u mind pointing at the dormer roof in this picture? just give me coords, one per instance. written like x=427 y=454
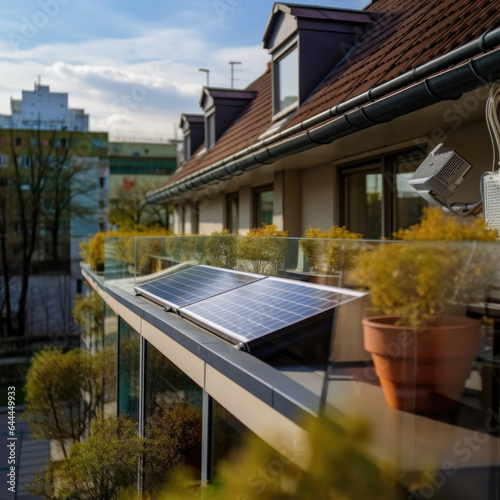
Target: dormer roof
x=416 y=54
x=211 y=96
x=286 y=19
x=187 y=120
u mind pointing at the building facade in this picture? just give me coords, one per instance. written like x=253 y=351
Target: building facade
x=349 y=106
x=45 y=110
x=135 y=169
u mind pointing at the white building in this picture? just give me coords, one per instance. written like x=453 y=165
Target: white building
x=44 y=110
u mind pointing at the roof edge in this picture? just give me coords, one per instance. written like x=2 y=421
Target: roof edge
x=309 y=133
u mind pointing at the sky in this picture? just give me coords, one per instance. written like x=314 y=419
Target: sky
x=134 y=65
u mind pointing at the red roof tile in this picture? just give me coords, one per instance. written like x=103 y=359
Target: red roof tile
x=408 y=34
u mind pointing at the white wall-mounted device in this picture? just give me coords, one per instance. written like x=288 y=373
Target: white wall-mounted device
x=491 y=199
x=439 y=175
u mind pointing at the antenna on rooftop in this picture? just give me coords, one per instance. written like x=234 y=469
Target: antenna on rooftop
x=232 y=63
x=207 y=71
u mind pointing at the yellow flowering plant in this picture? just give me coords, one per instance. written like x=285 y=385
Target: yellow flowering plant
x=326 y=257
x=421 y=280
x=262 y=250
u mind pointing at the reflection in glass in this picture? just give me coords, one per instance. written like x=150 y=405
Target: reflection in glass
x=364 y=203
x=233 y=213
x=409 y=204
x=173 y=421
x=109 y=351
x=227 y=437
x=128 y=371
x=264 y=205
x=288 y=79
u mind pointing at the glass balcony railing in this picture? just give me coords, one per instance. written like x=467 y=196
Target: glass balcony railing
x=417 y=356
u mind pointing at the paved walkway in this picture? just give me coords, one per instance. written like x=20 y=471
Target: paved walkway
x=30 y=456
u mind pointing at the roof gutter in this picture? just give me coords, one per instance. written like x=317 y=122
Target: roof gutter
x=405 y=94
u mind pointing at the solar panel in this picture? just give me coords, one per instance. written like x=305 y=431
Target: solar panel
x=266 y=309
x=192 y=285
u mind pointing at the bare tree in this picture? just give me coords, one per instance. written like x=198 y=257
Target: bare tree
x=38 y=188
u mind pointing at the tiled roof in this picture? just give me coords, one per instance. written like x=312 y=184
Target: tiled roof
x=408 y=34
x=256 y=118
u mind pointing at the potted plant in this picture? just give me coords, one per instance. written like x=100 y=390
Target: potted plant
x=421 y=342
x=325 y=255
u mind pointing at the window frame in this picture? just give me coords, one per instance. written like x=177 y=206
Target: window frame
x=256 y=193
x=277 y=58
x=210 y=134
x=187 y=145
x=230 y=198
x=386 y=165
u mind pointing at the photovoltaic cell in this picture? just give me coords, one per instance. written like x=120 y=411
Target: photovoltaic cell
x=268 y=306
x=192 y=285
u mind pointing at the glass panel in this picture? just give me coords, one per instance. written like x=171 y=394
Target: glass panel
x=264 y=208
x=230 y=439
x=364 y=203
x=409 y=204
x=288 y=76
x=128 y=371
x=210 y=132
x=187 y=147
x=173 y=420
x=110 y=353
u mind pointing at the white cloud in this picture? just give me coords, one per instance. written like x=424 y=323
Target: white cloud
x=137 y=83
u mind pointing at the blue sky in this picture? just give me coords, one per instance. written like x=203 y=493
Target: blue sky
x=133 y=66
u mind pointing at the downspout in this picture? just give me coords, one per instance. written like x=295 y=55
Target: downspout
x=378 y=105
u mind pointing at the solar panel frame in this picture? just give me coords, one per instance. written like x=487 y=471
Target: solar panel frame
x=229 y=301
x=182 y=294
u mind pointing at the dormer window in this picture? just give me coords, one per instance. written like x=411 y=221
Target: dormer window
x=210 y=136
x=286 y=81
x=193 y=131
x=221 y=107
x=305 y=43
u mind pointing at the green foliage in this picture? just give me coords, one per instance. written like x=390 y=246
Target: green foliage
x=436 y=226
x=340 y=467
x=422 y=281
x=262 y=250
x=324 y=256
x=124 y=248
x=173 y=443
x=87 y=312
x=97 y=468
x=220 y=249
x=129 y=210
x=63 y=393
x=95 y=252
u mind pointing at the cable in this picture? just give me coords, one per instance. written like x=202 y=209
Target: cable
x=493 y=122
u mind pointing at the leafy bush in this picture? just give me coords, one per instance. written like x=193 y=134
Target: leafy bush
x=262 y=250
x=324 y=257
x=422 y=281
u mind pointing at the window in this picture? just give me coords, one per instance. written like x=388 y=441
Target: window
x=375 y=197
x=128 y=371
x=187 y=147
x=233 y=212
x=263 y=203
x=210 y=131
x=3 y=161
x=286 y=82
x=25 y=161
x=110 y=347
x=173 y=408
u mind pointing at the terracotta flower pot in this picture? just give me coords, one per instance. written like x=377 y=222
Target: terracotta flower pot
x=422 y=369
